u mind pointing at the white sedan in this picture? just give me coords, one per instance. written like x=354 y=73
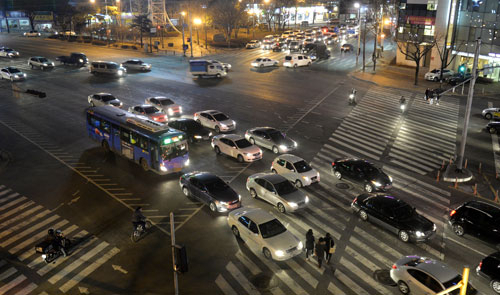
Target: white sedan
x=264 y=62
x=237 y=147
x=136 y=65
x=149 y=111
x=165 y=105
x=104 y=99
x=295 y=169
x=435 y=75
x=215 y=120
x=7 y=52
x=13 y=74
x=32 y=34
x=264 y=233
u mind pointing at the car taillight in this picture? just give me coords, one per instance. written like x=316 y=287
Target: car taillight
x=333 y=164
x=452 y=212
x=355 y=200
x=155 y=118
x=394 y=266
x=480 y=264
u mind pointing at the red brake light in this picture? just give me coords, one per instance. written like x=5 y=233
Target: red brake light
x=333 y=164
x=394 y=266
x=480 y=264
x=355 y=200
x=452 y=212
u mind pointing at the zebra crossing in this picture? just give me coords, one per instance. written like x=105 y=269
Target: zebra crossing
x=12 y=281
x=23 y=224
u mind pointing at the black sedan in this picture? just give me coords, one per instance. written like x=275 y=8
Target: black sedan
x=394 y=215
x=493 y=127
x=362 y=172
x=458 y=78
x=211 y=190
x=194 y=130
x=489 y=269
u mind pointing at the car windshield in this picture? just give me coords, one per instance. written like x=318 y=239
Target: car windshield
x=193 y=125
x=403 y=212
x=242 y=143
x=277 y=136
x=173 y=150
x=13 y=71
x=271 y=228
x=221 y=117
x=43 y=59
x=107 y=97
x=284 y=187
x=8 y=49
x=454 y=282
x=370 y=170
x=216 y=185
x=258 y=59
x=112 y=66
x=166 y=101
x=434 y=71
x=151 y=110
x=302 y=166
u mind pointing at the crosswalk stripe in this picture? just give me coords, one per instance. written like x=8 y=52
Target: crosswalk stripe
x=336 y=213
x=224 y=286
x=412 y=192
x=361 y=259
x=254 y=269
x=10 y=204
x=431 y=250
x=323 y=226
x=26 y=290
x=407 y=178
x=242 y=280
x=375 y=241
x=366 y=142
x=375 y=137
x=11 y=196
x=402 y=150
x=68 y=269
x=285 y=278
x=23 y=223
x=370 y=155
x=432 y=142
x=349 y=283
x=339 y=152
x=31 y=240
x=16 y=209
x=277 y=291
x=367 y=278
x=334 y=289
x=28 y=231
x=2 y=263
x=303 y=273
x=419 y=171
x=346 y=198
x=92 y=267
x=10 y=271
x=5 y=288
x=412 y=161
x=367 y=129
x=370 y=251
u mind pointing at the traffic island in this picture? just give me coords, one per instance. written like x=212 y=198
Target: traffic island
x=453 y=174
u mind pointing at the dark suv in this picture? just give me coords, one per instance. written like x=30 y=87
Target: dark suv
x=362 y=172
x=489 y=268
x=479 y=218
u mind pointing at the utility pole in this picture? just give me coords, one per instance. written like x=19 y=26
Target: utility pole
x=364 y=45
x=172 y=244
x=468 y=107
x=183 y=39
x=374 y=55
x=358 y=50
x=190 y=32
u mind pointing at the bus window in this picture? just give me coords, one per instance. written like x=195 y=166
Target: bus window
x=95 y=122
x=143 y=143
x=105 y=127
x=134 y=139
x=125 y=135
x=173 y=150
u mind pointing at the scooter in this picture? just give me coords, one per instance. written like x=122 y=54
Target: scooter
x=352 y=97
x=140 y=231
x=51 y=253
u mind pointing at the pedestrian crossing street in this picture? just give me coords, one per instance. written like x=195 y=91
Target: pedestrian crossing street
x=23 y=224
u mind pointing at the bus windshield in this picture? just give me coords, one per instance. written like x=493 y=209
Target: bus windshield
x=173 y=150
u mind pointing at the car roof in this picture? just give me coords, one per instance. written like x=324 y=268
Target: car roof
x=133 y=59
x=290 y=158
x=436 y=268
x=143 y=105
x=159 y=97
x=38 y=57
x=356 y=160
x=102 y=93
x=265 y=129
x=257 y=215
x=386 y=200
x=271 y=177
x=495 y=255
x=204 y=176
x=230 y=136
x=11 y=68
x=78 y=53
x=105 y=62
x=486 y=207
x=211 y=112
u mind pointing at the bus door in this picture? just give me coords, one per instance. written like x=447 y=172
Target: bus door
x=126 y=148
x=153 y=149
x=115 y=143
x=141 y=150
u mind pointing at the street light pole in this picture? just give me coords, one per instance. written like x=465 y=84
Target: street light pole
x=358 y=51
x=190 y=32
x=183 y=41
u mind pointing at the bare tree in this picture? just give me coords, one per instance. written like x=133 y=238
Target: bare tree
x=30 y=8
x=142 y=23
x=415 y=48
x=227 y=15
x=445 y=53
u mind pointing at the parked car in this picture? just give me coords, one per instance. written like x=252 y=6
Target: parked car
x=103 y=99
x=149 y=111
x=270 y=138
x=165 y=105
x=136 y=65
x=477 y=218
x=457 y=78
x=236 y=146
x=346 y=47
x=361 y=172
x=421 y=275
x=7 y=52
x=40 y=62
x=489 y=270
x=253 y=44
x=394 y=215
x=435 y=75
x=12 y=74
x=493 y=127
x=262 y=231
x=489 y=113
x=296 y=60
x=215 y=120
x=278 y=191
x=209 y=189
x=295 y=169
x=107 y=68
x=264 y=62
x=32 y=34
x=194 y=130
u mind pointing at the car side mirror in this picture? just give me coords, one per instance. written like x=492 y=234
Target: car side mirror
x=234 y=147
x=274 y=192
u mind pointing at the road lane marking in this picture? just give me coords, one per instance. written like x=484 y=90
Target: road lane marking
x=224 y=286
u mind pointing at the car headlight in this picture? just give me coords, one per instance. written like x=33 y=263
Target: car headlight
x=187 y=162
x=24 y=75
x=305 y=178
x=434 y=227
x=295 y=144
x=223 y=125
x=293 y=204
x=163 y=168
x=120 y=72
x=254 y=64
x=307 y=199
x=224 y=203
x=234 y=124
x=248 y=154
x=419 y=234
x=197 y=136
x=390 y=178
x=80 y=60
x=16 y=76
x=283 y=148
x=180 y=109
x=210 y=134
x=279 y=253
x=45 y=65
x=44 y=256
x=239 y=197
x=376 y=183
x=170 y=111
x=52 y=64
x=300 y=245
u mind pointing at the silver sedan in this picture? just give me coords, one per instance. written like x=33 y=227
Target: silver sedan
x=13 y=74
x=270 y=138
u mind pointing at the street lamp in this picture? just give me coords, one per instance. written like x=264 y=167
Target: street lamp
x=197 y=21
x=358 y=6
x=183 y=14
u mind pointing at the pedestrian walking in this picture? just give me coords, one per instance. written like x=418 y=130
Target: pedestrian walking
x=329 y=247
x=427 y=94
x=309 y=243
x=320 y=251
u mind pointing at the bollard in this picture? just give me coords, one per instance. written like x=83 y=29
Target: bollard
x=480 y=164
x=456 y=182
x=465 y=166
x=437 y=178
x=475 y=189
x=442 y=165
x=496 y=196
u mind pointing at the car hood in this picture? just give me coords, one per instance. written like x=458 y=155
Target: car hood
x=198 y=131
x=490 y=110
x=310 y=173
x=382 y=178
x=417 y=222
x=296 y=197
x=286 y=141
x=251 y=149
x=226 y=122
x=227 y=195
x=283 y=241
x=114 y=102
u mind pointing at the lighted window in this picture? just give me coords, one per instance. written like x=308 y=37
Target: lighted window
x=429 y=31
x=402 y=6
x=401 y=30
x=432 y=5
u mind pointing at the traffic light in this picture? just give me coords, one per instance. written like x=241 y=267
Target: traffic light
x=181 y=258
x=158 y=27
x=461 y=69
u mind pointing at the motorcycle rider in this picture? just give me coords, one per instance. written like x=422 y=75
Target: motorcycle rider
x=352 y=96
x=138 y=218
x=61 y=241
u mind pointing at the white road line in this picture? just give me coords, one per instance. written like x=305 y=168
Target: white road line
x=340 y=152
x=224 y=286
x=10 y=271
x=366 y=278
x=5 y=288
x=29 y=231
x=413 y=193
x=254 y=269
x=32 y=240
x=303 y=273
x=464 y=245
x=322 y=225
x=10 y=204
x=242 y=280
x=366 y=262
x=375 y=241
x=334 y=213
x=11 y=196
x=24 y=222
x=407 y=178
x=349 y=283
x=26 y=290
x=335 y=290
x=74 y=265
x=84 y=273
x=431 y=250
x=370 y=251
x=17 y=209
x=411 y=168
x=372 y=156
x=285 y=278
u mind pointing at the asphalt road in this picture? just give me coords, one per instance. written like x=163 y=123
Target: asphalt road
x=90 y=195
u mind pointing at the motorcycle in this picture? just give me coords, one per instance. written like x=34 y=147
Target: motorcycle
x=402 y=107
x=51 y=251
x=352 y=97
x=140 y=231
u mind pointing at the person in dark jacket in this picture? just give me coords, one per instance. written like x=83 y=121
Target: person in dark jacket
x=138 y=218
x=320 y=251
x=329 y=245
x=427 y=94
x=309 y=243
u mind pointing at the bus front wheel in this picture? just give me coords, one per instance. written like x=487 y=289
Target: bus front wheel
x=144 y=164
x=105 y=146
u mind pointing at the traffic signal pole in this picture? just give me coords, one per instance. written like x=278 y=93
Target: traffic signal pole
x=172 y=243
x=462 y=285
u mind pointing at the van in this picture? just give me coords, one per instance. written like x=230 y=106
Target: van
x=296 y=60
x=107 y=67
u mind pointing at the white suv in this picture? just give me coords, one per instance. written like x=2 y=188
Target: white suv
x=295 y=169
x=107 y=67
x=215 y=120
x=435 y=75
x=296 y=60
x=40 y=62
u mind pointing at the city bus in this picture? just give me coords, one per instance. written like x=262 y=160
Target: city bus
x=153 y=145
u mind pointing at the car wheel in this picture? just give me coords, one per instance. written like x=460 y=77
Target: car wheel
x=240 y=159
x=458 y=229
x=298 y=183
x=275 y=64
x=403 y=287
x=185 y=191
x=198 y=121
x=488 y=116
x=295 y=65
x=309 y=64
x=363 y=215
x=275 y=150
x=217 y=150
x=144 y=164
x=32 y=66
x=253 y=193
x=404 y=236
x=261 y=65
x=212 y=207
x=12 y=79
x=495 y=285
x=92 y=104
x=368 y=188
x=274 y=171
x=492 y=130
x=251 y=140
x=281 y=208
x=235 y=231
x=267 y=253
x=217 y=129
x=436 y=79
x=337 y=174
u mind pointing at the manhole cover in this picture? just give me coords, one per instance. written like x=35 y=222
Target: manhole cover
x=264 y=281
x=342 y=185
x=383 y=276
